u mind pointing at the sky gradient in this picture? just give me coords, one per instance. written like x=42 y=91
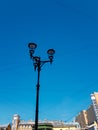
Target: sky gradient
x=71 y=28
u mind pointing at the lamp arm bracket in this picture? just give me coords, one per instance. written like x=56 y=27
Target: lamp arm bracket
x=43 y=62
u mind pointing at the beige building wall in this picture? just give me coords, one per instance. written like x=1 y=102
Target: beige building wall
x=30 y=127
x=96 y=96
x=82 y=119
x=65 y=128
x=25 y=127
x=91 y=115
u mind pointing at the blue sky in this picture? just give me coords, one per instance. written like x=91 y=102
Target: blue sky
x=68 y=26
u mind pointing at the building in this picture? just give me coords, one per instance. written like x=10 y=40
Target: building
x=81 y=118
x=15 y=121
x=57 y=125
x=5 y=127
x=94 y=98
x=25 y=125
x=91 y=117
x=18 y=124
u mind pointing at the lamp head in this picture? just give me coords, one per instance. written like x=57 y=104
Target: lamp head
x=32 y=47
x=50 y=53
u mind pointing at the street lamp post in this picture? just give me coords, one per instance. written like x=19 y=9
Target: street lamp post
x=38 y=63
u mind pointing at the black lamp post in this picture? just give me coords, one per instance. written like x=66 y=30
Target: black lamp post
x=38 y=63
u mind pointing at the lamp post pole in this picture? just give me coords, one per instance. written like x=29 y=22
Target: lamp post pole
x=37 y=97
x=38 y=63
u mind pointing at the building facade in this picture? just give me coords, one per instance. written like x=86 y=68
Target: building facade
x=89 y=117
x=81 y=118
x=18 y=124
x=94 y=98
x=5 y=127
x=66 y=126
x=15 y=121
